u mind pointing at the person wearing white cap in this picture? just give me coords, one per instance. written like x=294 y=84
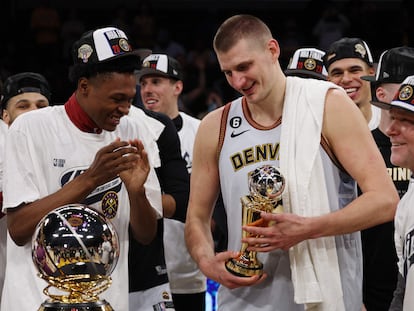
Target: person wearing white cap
x=401 y=133
x=85 y=151
x=378 y=245
x=160 y=79
x=307 y=63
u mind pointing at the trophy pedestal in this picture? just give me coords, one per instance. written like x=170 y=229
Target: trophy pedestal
x=244 y=266
x=100 y=305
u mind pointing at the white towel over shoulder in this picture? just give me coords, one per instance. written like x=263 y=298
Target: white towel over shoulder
x=314 y=263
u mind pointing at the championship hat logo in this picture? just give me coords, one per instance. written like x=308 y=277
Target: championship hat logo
x=310 y=64
x=406 y=93
x=359 y=48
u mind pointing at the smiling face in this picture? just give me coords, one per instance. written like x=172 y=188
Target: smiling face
x=106 y=98
x=160 y=94
x=401 y=133
x=347 y=73
x=22 y=103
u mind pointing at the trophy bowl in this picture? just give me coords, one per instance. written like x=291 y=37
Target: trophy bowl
x=266 y=182
x=266 y=185
x=75 y=250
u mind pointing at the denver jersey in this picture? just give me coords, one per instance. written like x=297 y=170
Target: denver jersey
x=244 y=146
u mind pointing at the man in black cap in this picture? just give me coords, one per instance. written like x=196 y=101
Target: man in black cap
x=378 y=242
x=346 y=61
x=24 y=92
x=85 y=151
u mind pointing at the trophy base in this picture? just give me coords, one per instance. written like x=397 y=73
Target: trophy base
x=243 y=267
x=100 y=305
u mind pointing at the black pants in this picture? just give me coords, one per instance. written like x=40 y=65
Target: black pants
x=193 y=302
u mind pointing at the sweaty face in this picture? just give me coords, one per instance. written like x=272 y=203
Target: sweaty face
x=107 y=98
x=401 y=133
x=347 y=73
x=160 y=94
x=22 y=103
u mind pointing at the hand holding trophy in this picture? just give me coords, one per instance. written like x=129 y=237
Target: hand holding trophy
x=266 y=185
x=70 y=252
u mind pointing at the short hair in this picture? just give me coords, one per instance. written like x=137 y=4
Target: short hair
x=127 y=64
x=238 y=27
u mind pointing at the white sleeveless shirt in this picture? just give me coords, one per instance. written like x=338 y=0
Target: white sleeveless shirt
x=245 y=146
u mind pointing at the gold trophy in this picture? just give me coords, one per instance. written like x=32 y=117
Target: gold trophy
x=75 y=249
x=266 y=185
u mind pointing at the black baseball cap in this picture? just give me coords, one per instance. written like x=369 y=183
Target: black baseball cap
x=103 y=45
x=161 y=64
x=394 y=66
x=348 y=48
x=25 y=82
x=404 y=97
x=307 y=63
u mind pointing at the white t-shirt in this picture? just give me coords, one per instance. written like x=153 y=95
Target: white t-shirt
x=45 y=150
x=183 y=272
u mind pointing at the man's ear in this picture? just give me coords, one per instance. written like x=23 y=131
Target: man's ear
x=6 y=117
x=83 y=85
x=274 y=48
x=178 y=87
x=371 y=71
x=380 y=94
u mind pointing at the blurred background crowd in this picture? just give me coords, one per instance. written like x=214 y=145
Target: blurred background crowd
x=37 y=35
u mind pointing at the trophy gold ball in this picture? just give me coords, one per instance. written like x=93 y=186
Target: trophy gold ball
x=266 y=185
x=75 y=249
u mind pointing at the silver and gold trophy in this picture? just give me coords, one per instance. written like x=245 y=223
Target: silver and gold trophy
x=75 y=249
x=266 y=185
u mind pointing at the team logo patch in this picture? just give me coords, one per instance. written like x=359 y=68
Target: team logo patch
x=84 y=52
x=165 y=295
x=110 y=204
x=359 y=48
x=406 y=93
x=123 y=44
x=310 y=64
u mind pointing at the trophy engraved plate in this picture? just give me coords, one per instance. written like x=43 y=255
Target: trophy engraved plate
x=75 y=249
x=266 y=185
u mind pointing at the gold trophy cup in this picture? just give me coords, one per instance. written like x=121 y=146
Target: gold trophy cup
x=266 y=185
x=75 y=249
